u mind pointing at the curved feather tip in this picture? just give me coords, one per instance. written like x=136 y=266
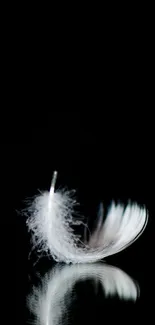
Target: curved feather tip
x=51 y=220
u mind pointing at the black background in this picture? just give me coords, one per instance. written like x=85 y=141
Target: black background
x=80 y=102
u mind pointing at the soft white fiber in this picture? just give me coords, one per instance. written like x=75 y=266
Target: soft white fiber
x=51 y=219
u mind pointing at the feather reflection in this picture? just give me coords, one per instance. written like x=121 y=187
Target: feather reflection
x=49 y=301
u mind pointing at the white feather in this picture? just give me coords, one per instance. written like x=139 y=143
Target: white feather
x=47 y=302
x=51 y=220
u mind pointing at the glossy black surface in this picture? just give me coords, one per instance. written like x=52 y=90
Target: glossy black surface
x=103 y=160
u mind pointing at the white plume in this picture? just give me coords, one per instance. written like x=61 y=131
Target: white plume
x=49 y=301
x=51 y=220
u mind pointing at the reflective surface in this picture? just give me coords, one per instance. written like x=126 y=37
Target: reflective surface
x=101 y=165
x=50 y=300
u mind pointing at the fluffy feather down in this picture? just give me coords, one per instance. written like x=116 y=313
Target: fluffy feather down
x=51 y=221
